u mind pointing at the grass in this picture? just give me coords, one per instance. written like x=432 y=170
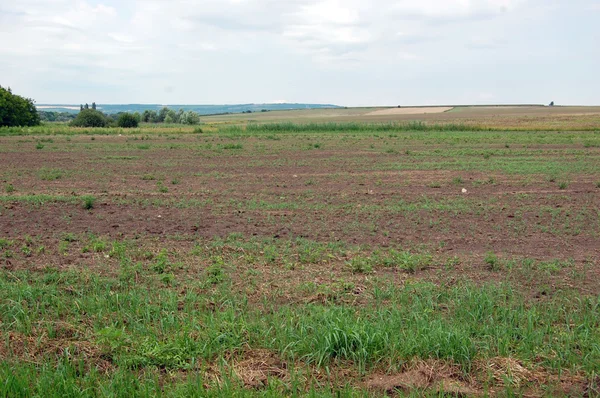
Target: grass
x=460 y=324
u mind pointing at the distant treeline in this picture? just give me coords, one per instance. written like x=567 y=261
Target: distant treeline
x=202 y=110
x=56 y=116
x=165 y=115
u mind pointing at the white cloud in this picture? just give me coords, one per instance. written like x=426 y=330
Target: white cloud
x=240 y=50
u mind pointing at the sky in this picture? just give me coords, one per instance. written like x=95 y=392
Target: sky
x=344 y=52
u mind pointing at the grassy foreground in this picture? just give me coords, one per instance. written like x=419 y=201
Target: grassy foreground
x=182 y=322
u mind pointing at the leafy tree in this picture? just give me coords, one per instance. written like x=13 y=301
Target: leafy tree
x=162 y=114
x=169 y=119
x=149 y=116
x=93 y=105
x=81 y=107
x=87 y=106
x=90 y=118
x=127 y=120
x=16 y=110
x=190 y=117
x=173 y=116
x=138 y=117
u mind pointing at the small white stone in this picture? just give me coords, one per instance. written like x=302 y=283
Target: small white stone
x=295 y=176
x=464 y=190
x=159 y=216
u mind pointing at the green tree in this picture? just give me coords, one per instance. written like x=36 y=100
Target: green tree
x=16 y=110
x=173 y=115
x=153 y=117
x=190 y=117
x=93 y=105
x=127 y=120
x=90 y=118
x=169 y=119
x=162 y=114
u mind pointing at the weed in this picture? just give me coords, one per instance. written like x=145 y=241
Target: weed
x=161 y=263
x=563 y=185
x=63 y=247
x=492 y=260
x=26 y=250
x=215 y=274
x=408 y=261
x=50 y=174
x=148 y=177
x=69 y=237
x=162 y=188
x=361 y=265
x=39 y=146
x=231 y=146
x=88 y=202
x=9 y=188
x=452 y=262
x=457 y=180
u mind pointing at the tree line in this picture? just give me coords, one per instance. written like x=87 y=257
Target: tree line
x=19 y=111
x=91 y=117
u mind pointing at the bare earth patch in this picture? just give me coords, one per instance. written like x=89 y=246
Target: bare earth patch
x=410 y=111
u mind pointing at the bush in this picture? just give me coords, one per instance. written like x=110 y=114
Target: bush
x=190 y=117
x=90 y=118
x=16 y=110
x=127 y=120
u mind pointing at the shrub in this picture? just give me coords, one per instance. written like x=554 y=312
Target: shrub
x=16 y=110
x=127 y=120
x=90 y=118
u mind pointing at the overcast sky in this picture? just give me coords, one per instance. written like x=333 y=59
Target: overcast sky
x=346 y=52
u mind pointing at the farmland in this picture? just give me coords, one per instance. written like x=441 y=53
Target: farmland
x=339 y=252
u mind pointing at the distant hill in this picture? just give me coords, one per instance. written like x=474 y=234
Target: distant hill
x=201 y=109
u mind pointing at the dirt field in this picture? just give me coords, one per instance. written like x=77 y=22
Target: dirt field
x=380 y=262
